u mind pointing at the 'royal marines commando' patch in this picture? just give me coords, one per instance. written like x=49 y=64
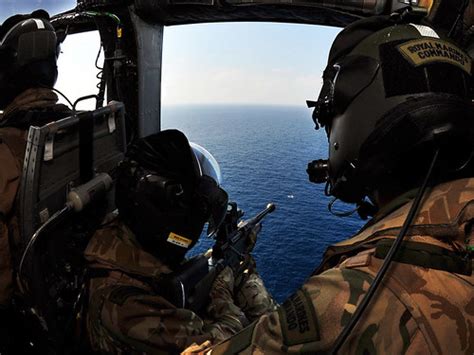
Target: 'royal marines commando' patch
x=298 y=320
x=429 y=50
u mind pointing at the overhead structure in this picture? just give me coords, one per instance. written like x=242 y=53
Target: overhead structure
x=320 y=12
x=132 y=34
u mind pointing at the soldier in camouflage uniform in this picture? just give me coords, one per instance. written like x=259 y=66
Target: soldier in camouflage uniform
x=164 y=199
x=28 y=55
x=393 y=94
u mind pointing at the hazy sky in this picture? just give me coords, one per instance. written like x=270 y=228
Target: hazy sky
x=244 y=62
x=255 y=63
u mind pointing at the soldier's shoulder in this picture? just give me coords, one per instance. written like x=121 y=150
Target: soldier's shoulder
x=106 y=241
x=115 y=247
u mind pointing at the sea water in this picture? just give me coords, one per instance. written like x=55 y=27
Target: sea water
x=263 y=152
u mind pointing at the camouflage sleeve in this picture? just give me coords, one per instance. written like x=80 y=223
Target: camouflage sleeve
x=125 y=319
x=310 y=320
x=253 y=297
x=222 y=308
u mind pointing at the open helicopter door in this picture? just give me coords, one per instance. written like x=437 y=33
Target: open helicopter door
x=61 y=157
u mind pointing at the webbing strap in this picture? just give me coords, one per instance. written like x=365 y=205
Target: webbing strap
x=426 y=255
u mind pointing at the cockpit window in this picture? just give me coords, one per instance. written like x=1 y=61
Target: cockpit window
x=250 y=63
x=79 y=68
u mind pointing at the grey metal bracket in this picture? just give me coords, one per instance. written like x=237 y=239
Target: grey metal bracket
x=149 y=39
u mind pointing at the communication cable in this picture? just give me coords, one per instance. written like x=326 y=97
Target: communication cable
x=78 y=198
x=388 y=259
x=54 y=218
x=102 y=80
x=64 y=96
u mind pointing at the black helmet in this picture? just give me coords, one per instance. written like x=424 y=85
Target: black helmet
x=28 y=53
x=166 y=192
x=392 y=93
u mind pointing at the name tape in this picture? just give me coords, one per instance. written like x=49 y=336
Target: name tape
x=429 y=50
x=178 y=240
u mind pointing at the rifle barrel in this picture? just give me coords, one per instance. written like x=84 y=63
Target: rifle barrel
x=269 y=209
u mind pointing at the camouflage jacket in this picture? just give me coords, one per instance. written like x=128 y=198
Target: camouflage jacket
x=12 y=149
x=126 y=313
x=424 y=305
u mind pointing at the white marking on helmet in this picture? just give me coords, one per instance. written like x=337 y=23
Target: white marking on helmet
x=425 y=31
x=39 y=23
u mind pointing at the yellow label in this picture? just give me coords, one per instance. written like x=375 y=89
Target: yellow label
x=178 y=240
x=431 y=50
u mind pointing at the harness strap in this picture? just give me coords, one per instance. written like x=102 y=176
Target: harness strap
x=426 y=255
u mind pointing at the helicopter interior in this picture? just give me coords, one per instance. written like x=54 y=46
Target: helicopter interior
x=93 y=142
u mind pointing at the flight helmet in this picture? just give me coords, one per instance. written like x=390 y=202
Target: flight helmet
x=392 y=93
x=29 y=49
x=167 y=189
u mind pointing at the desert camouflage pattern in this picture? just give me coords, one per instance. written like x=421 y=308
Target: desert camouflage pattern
x=417 y=310
x=12 y=150
x=126 y=314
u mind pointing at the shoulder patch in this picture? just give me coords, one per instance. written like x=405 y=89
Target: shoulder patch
x=120 y=294
x=298 y=319
x=430 y=50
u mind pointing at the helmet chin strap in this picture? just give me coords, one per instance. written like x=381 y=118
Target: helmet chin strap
x=394 y=248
